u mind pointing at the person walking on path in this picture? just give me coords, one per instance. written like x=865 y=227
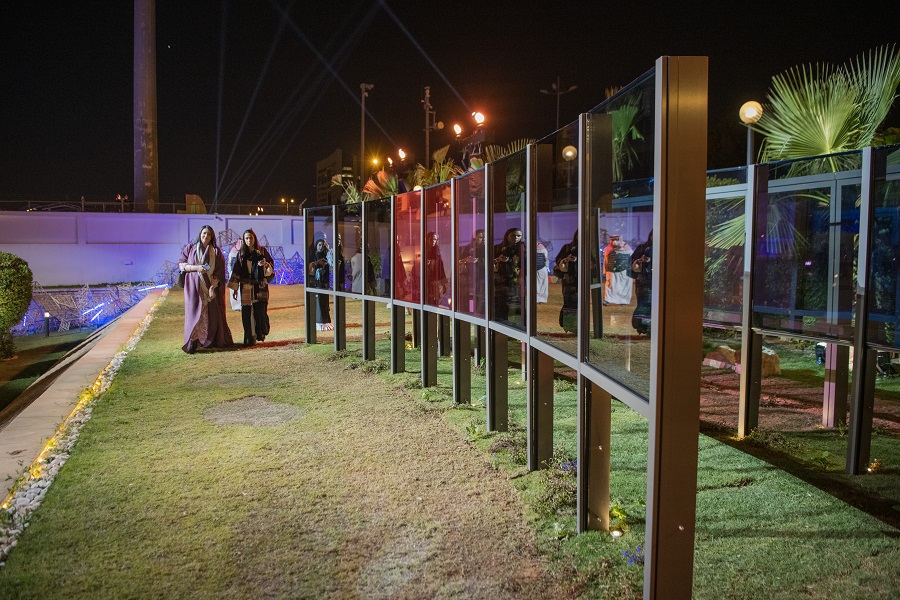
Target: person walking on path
x=253 y=270
x=203 y=265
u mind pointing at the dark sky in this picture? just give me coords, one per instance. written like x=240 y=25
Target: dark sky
x=261 y=111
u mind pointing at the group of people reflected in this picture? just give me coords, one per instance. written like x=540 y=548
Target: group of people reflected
x=627 y=276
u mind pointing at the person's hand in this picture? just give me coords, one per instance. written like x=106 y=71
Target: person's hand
x=212 y=293
x=234 y=294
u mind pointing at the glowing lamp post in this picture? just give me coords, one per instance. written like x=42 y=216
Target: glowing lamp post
x=46 y=323
x=750 y=113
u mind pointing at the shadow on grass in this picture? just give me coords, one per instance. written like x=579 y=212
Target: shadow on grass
x=876 y=505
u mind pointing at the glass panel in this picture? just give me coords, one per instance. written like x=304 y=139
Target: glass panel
x=724 y=260
x=378 y=248
x=319 y=231
x=438 y=244
x=722 y=177
x=349 y=244
x=819 y=165
x=471 y=250
x=319 y=276
x=884 y=283
x=407 y=246
x=507 y=198
x=620 y=209
x=556 y=206
x=797 y=258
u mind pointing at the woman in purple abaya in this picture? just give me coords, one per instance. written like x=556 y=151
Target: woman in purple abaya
x=203 y=265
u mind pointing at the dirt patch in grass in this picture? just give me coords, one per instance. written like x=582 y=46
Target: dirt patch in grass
x=252 y=410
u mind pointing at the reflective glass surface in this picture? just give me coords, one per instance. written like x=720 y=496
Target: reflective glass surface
x=556 y=247
x=819 y=165
x=471 y=247
x=348 y=274
x=802 y=255
x=507 y=248
x=406 y=271
x=620 y=166
x=884 y=254
x=724 y=260
x=377 y=253
x=319 y=258
x=438 y=245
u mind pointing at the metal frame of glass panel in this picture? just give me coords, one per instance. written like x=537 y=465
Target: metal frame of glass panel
x=672 y=405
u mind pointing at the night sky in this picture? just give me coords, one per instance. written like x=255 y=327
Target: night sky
x=254 y=107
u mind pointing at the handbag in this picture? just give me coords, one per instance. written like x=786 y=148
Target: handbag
x=180 y=281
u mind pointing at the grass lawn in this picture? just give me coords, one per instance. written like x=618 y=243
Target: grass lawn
x=35 y=355
x=291 y=471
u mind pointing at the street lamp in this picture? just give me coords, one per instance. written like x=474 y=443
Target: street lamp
x=364 y=91
x=750 y=113
x=559 y=92
x=430 y=123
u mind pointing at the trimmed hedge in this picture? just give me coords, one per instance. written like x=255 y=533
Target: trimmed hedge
x=15 y=296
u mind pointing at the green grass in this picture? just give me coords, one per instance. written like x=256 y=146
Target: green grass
x=35 y=355
x=157 y=502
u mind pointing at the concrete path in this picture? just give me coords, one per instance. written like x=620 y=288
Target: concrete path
x=23 y=438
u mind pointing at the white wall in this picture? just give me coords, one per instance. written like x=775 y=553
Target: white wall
x=74 y=249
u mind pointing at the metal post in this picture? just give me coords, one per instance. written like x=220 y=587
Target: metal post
x=462 y=362
x=594 y=433
x=364 y=92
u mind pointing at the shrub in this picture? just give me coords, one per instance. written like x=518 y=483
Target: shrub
x=15 y=296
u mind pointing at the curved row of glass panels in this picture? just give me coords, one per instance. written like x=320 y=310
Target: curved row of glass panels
x=501 y=244
x=806 y=248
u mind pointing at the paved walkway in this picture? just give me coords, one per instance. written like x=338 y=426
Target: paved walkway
x=23 y=438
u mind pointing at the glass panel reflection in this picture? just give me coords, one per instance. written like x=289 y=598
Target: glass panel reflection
x=507 y=198
x=348 y=249
x=556 y=206
x=724 y=260
x=406 y=270
x=377 y=280
x=801 y=253
x=884 y=283
x=319 y=229
x=620 y=168
x=471 y=248
x=438 y=244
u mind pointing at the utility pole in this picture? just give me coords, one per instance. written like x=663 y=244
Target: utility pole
x=558 y=91
x=429 y=124
x=364 y=91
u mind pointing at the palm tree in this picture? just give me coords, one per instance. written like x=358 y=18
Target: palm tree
x=442 y=170
x=816 y=110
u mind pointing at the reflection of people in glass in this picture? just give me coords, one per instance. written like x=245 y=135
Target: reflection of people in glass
x=642 y=273
x=435 y=275
x=471 y=269
x=318 y=274
x=336 y=259
x=401 y=277
x=616 y=261
x=566 y=270
x=542 y=277
x=509 y=286
x=253 y=270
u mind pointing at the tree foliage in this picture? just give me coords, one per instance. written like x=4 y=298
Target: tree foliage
x=814 y=110
x=15 y=296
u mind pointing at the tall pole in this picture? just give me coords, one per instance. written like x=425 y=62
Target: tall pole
x=364 y=91
x=427 y=125
x=146 y=169
x=559 y=92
